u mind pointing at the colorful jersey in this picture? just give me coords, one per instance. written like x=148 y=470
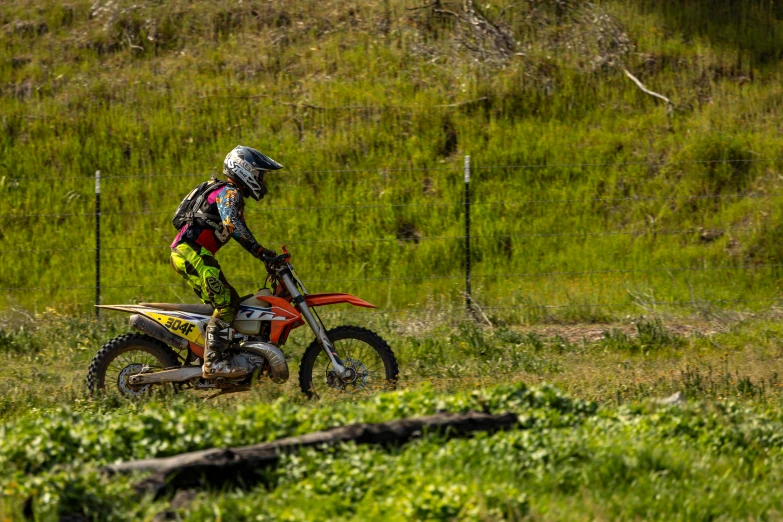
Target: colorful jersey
x=230 y=205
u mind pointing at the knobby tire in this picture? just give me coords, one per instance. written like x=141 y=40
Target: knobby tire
x=96 y=375
x=341 y=333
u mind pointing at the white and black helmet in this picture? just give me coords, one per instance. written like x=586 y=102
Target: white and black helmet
x=247 y=167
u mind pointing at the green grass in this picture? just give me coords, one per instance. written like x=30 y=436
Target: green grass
x=167 y=89
x=717 y=456
x=352 y=97
x=614 y=458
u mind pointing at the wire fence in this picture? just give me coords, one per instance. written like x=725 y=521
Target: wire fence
x=290 y=173
x=506 y=203
x=634 y=233
x=583 y=273
x=462 y=206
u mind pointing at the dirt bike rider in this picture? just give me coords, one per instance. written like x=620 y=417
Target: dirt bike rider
x=208 y=228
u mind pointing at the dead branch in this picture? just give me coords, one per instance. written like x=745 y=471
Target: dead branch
x=131 y=44
x=214 y=467
x=503 y=40
x=670 y=105
x=437 y=9
x=474 y=29
x=483 y=315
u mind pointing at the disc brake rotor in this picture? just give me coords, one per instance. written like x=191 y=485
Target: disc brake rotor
x=127 y=388
x=356 y=378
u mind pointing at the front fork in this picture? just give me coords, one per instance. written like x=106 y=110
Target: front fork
x=320 y=334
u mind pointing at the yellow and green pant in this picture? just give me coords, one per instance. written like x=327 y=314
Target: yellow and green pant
x=202 y=272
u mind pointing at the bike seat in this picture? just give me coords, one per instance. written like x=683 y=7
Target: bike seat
x=200 y=309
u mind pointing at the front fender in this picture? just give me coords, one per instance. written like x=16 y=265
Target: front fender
x=327 y=299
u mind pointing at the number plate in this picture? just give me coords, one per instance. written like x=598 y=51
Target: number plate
x=179 y=326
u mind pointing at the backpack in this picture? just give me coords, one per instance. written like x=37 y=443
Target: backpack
x=193 y=208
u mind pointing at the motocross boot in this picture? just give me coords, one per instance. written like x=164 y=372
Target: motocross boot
x=218 y=340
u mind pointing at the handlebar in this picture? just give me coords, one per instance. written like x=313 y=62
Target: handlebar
x=280 y=271
x=276 y=259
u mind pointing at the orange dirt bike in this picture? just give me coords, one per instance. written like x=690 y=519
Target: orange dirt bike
x=168 y=350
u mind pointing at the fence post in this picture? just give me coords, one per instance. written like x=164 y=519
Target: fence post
x=468 y=303
x=97 y=242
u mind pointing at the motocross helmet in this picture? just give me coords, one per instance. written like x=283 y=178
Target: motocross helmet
x=247 y=167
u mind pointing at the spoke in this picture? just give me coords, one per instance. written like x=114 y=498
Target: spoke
x=346 y=349
x=138 y=357
x=374 y=366
x=128 y=358
x=361 y=352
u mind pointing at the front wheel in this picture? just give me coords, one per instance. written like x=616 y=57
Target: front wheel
x=368 y=357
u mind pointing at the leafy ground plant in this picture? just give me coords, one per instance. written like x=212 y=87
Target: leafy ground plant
x=704 y=460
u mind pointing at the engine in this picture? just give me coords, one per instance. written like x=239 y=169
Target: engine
x=248 y=361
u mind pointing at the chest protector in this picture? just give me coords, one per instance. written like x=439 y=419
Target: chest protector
x=194 y=209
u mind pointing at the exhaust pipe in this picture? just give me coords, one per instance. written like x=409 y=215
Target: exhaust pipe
x=278 y=367
x=159 y=332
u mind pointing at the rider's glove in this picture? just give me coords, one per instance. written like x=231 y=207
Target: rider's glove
x=262 y=253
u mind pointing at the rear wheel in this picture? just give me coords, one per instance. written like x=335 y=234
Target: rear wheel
x=125 y=356
x=369 y=359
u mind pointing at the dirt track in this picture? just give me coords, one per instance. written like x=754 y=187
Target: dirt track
x=593 y=332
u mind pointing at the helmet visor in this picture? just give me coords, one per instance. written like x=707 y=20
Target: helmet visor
x=260 y=177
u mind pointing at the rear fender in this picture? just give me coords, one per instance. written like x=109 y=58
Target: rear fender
x=328 y=299
x=186 y=326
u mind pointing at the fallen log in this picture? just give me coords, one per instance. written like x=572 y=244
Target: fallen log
x=246 y=464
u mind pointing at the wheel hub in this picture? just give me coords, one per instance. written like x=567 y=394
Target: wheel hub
x=355 y=376
x=349 y=377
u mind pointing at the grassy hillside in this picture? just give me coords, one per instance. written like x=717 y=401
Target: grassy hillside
x=593 y=201
x=372 y=105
